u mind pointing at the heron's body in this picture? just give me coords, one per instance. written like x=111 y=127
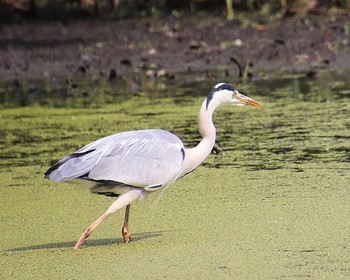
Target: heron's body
x=131 y=164
x=127 y=158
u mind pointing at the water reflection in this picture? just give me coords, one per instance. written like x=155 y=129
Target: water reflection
x=326 y=86
x=91 y=91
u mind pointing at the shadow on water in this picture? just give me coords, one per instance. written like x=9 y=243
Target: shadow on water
x=88 y=243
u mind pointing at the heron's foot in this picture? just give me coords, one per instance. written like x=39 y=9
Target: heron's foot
x=126 y=235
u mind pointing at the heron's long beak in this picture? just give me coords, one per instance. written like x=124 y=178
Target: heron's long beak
x=247 y=100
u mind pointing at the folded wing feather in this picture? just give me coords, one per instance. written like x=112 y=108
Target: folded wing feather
x=143 y=158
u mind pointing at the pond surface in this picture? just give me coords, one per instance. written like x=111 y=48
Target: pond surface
x=275 y=204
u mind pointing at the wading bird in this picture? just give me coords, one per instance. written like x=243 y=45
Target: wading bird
x=131 y=164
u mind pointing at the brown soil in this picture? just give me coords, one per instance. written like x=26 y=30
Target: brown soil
x=189 y=43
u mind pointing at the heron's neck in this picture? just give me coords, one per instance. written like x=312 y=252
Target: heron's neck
x=195 y=156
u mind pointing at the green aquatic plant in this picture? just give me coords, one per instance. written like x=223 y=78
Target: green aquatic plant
x=280 y=187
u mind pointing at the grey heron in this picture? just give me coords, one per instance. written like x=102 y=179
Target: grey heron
x=131 y=164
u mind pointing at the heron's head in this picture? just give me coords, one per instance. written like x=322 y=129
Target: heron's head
x=225 y=93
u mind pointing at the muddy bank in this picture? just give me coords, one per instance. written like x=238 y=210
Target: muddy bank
x=172 y=44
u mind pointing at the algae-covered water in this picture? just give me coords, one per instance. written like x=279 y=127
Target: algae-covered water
x=274 y=205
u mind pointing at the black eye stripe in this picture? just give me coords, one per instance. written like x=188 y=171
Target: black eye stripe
x=215 y=89
x=225 y=86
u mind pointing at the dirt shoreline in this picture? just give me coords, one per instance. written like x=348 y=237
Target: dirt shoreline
x=170 y=44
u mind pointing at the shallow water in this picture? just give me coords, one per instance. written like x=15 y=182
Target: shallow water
x=275 y=204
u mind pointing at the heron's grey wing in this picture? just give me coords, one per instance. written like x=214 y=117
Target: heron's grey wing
x=145 y=158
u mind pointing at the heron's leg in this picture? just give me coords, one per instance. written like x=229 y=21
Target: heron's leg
x=125 y=230
x=122 y=201
x=89 y=229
